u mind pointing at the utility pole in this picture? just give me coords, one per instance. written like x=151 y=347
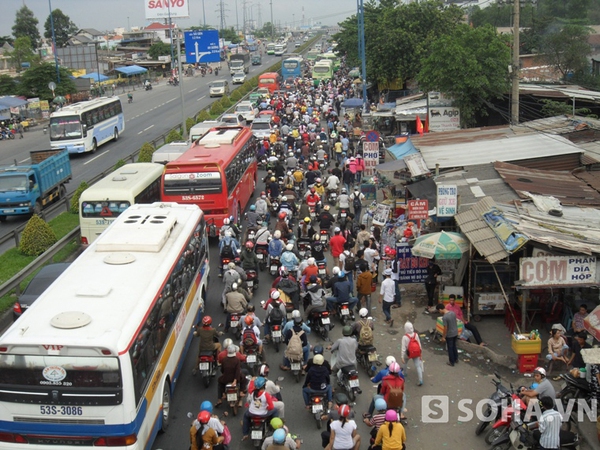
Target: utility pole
x=272 y=24
x=361 y=51
x=237 y=19
x=221 y=12
x=514 y=100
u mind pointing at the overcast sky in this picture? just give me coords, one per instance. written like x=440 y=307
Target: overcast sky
x=106 y=15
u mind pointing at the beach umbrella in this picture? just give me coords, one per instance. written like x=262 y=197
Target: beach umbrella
x=442 y=245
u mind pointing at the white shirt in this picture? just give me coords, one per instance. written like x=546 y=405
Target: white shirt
x=388 y=290
x=343 y=436
x=550 y=423
x=333 y=182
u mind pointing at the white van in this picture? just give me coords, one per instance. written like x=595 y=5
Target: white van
x=200 y=129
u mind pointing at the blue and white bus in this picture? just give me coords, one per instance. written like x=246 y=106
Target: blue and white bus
x=291 y=68
x=84 y=126
x=95 y=360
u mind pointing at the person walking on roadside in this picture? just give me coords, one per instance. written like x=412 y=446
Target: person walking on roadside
x=433 y=272
x=449 y=333
x=386 y=295
x=411 y=349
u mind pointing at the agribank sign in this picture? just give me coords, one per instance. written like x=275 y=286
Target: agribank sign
x=557 y=270
x=162 y=9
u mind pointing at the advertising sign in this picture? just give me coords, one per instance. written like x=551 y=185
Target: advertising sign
x=202 y=46
x=446 y=200
x=371 y=157
x=557 y=270
x=411 y=269
x=163 y=9
x=381 y=214
x=418 y=209
x=443 y=118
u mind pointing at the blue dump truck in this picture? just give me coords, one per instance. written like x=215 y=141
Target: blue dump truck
x=25 y=190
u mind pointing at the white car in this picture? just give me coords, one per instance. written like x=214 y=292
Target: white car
x=238 y=78
x=246 y=110
x=261 y=127
x=219 y=88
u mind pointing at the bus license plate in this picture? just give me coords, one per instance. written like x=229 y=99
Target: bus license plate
x=204 y=366
x=345 y=312
x=317 y=408
x=276 y=333
x=372 y=357
x=326 y=320
x=353 y=383
x=256 y=434
x=234 y=323
x=260 y=255
x=296 y=366
x=55 y=410
x=9 y=210
x=232 y=397
x=251 y=358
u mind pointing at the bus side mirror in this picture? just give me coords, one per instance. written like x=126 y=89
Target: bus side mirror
x=84 y=130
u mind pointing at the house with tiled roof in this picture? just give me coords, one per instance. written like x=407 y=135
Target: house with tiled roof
x=161 y=31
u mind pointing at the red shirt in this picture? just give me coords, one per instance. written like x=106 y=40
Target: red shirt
x=337 y=245
x=390 y=381
x=311 y=270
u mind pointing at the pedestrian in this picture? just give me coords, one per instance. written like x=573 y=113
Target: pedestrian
x=449 y=333
x=386 y=295
x=396 y=278
x=360 y=168
x=20 y=130
x=411 y=349
x=433 y=272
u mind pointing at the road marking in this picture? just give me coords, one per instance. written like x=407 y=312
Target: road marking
x=24 y=161
x=192 y=90
x=95 y=158
x=146 y=129
x=200 y=98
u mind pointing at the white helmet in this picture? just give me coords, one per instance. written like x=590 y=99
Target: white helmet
x=295 y=314
x=289 y=247
x=319 y=180
x=227 y=342
x=311 y=261
x=289 y=172
x=234 y=286
x=226 y=221
x=336 y=270
x=389 y=360
x=275 y=294
x=277 y=234
x=284 y=198
x=364 y=312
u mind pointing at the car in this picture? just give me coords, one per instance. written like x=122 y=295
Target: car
x=36 y=287
x=247 y=110
x=238 y=78
x=256 y=60
x=219 y=88
x=261 y=127
x=233 y=120
x=296 y=44
x=265 y=92
x=266 y=114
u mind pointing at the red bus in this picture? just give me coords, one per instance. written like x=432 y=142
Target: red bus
x=218 y=173
x=269 y=80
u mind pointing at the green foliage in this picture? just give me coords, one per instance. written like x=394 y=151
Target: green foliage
x=216 y=109
x=34 y=82
x=75 y=199
x=553 y=108
x=159 y=49
x=470 y=66
x=253 y=82
x=203 y=115
x=22 y=52
x=146 y=152
x=236 y=96
x=568 y=49
x=189 y=123
x=37 y=237
x=64 y=28
x=267 y=30
x=6 y=40
x=8 y=86
x=120 y=163
x=225 y=102
x=229 y=34
x=26 y=26
x=174 y=135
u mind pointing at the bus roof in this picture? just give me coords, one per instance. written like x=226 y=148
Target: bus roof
x=76 y=108
x=268 y=75
x=95 y=303
x=324 y=62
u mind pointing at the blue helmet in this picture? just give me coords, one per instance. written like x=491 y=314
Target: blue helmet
x=259 y=383
x=206 y=406
x=380 y=404
x=318 y=350
x=279 y=436
x=252 y=207
x=342 y=274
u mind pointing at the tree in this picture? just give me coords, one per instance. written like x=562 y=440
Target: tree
x=8 y=86
x=159 y=49
x=34 y=82
x=266 y=31
x=6 y=40
x=567 y=49
x=553 y=108
x=37 y=237
x=26 y=26
x=64 y=28
x=229 y=34
x=470 y=66
x=22 y=52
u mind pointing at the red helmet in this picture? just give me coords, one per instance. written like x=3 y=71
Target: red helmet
x=206 y=320
x=249 y=320
x=250 y=245
x=282 y=215
x=344 y=410
x=203 y=417
x=312 y=190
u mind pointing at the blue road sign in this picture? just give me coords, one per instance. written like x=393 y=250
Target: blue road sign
x=202 y=46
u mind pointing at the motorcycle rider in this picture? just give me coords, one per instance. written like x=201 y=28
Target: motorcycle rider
x=228 y=248
x=263 y=235
x=344 y=200
x=346 y=351
x=209 y=340
x=547 y=428
x=275 y=246
x=227 y=225
x=253 y=219
x=286 y=207
x=342 y=292
x=362 y=322
x=333 y=184
x=260 y=404
x=289 y=260
x=317 y=380
x=305 y=230
x=314 y=297
x=317 y=350
x=310 y=270
x=231 y=373
x=326 y=219
x=263 y=206
x=280 y=436
x=291 y=161
x=317 y=249
x=275 y=313
x=223 y=354
x=235 y=302
x=319 y=188
x=271 y=388
x=288 y=285
x=296 y=327
x=201 y=434
x=249 y=323
x=298 y=177
x=282 y=226
x=273 y=188
x=249 y=259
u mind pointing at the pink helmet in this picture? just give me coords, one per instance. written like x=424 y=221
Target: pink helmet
x=394 y=367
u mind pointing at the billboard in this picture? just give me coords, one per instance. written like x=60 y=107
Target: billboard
x=411 y=269
x=163 y=9
x=202 y=46
x=557 y=270
x=443 y=118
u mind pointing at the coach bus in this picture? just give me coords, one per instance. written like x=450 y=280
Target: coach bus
x=95 y=361
x=270 y=81
x=322 y=71
x=270 y=48
x=291 y=68
x=102 y=202
x=333 y=58
x=85 y=126
x=218 y=173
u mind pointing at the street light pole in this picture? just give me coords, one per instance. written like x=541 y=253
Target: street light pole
x=203 y=15
x=54 y=43
x=180 y=69
x=514 y=102
x=272 y=24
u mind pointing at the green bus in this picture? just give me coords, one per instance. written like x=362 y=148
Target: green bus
x=270 y=48
x=312 y=55
x=333 y=58
x=322 y=71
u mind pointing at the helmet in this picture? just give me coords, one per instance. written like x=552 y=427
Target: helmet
x=226 y=221
x=264 y=370
x=263 y=194
x=252 y=207
x=289 y=247
x=296 y=314
x=277 y=234
x=228 y=233
x=249 y=320
x=336 y=270
x=307 y=220
x=234 y=286
x=312 y=190
x=389 y=360
x=311 y=261
x=316 y=237
x=318 y=360
x=391 y=415
x=282 y=215
x=289 y=172
x=344 y=410
x=276 y=423
x=540 y=370
x=203 y=417
x=273 y=179
x=380 y=404
x=394 y=367
x=275 y=295
x=318 y=350
x=231 y=265
x=342 y=274
x=319 y=181
x=291 y=154
x=283 y=270
x=206 y=320
x=206 y=406
x=344 y=191
x=326 y=207
x=347 y=330
x=284 y=198
x=250 y=245
x=260 y=382
x=226 y=343
x=364 y=312
x=279 y=436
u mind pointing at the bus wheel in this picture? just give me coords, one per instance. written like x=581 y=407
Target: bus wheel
x=94 y=145
x=116 y=135
x=166 y=407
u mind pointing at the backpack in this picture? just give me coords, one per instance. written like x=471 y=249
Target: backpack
x=395 y=395
x=366 y=334
x=413 y=350
x=249 y=337
x=226 y=250
x=294 y=347
x=350 y=263
x=356 y=202
x=276 y=316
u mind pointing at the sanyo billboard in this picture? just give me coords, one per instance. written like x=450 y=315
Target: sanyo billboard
x=163 y=9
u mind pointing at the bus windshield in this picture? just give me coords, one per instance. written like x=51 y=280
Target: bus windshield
x=267 y=81
x=65 y=127
x=321 y=69
x=192 y=183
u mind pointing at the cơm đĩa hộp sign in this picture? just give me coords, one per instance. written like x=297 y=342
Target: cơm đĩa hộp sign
x=558 y=270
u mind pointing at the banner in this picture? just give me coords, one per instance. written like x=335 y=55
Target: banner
x=411 y=269
x=558 y=270
x=418 y=209
x=163 y=9
x=446 y=200
x=381 y=215
x=371 y=157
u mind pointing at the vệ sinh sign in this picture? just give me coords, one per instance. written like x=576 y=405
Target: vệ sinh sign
x=558 y=270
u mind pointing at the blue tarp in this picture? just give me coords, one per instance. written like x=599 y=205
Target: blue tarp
x=131 y=70
x=353 y=103
x=406 y=148
x=95 y=76
x=3 y=117
x=10 y=102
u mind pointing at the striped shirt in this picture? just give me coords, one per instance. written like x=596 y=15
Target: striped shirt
x=550 y=423
x=377 y=420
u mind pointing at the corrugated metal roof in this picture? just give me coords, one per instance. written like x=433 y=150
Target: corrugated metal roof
x=507 y=149
x=482 y=237
x=592 y=177
x=567 y=188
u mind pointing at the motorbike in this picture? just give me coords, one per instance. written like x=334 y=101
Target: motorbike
x=324 y=237
x=276 y=330
x=344 y=311
x=320 y=322
x=332 y=197
x=225 y=260
x=207 y=367
x=274 y=265
x=574 y=388
x=6 y=135
x=501 y=426
x=262 y=252
x=499 y=397
x=289 y=308
x=258 y=429
x=312 y=212
x=232 y=394
x=368 y=358
x=303 y=248
x=322 y=270
x=349 y=382
x=342 y=217
x=252 y=358
x=217 y=72
x=147 y=87
x=318 y=406
x=296 y=368
x=252 y=279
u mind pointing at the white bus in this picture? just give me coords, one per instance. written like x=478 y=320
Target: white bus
x=102 y=202
x=84 y=126
x=95 y=360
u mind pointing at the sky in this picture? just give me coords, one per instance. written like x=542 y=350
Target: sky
x=106 y=15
